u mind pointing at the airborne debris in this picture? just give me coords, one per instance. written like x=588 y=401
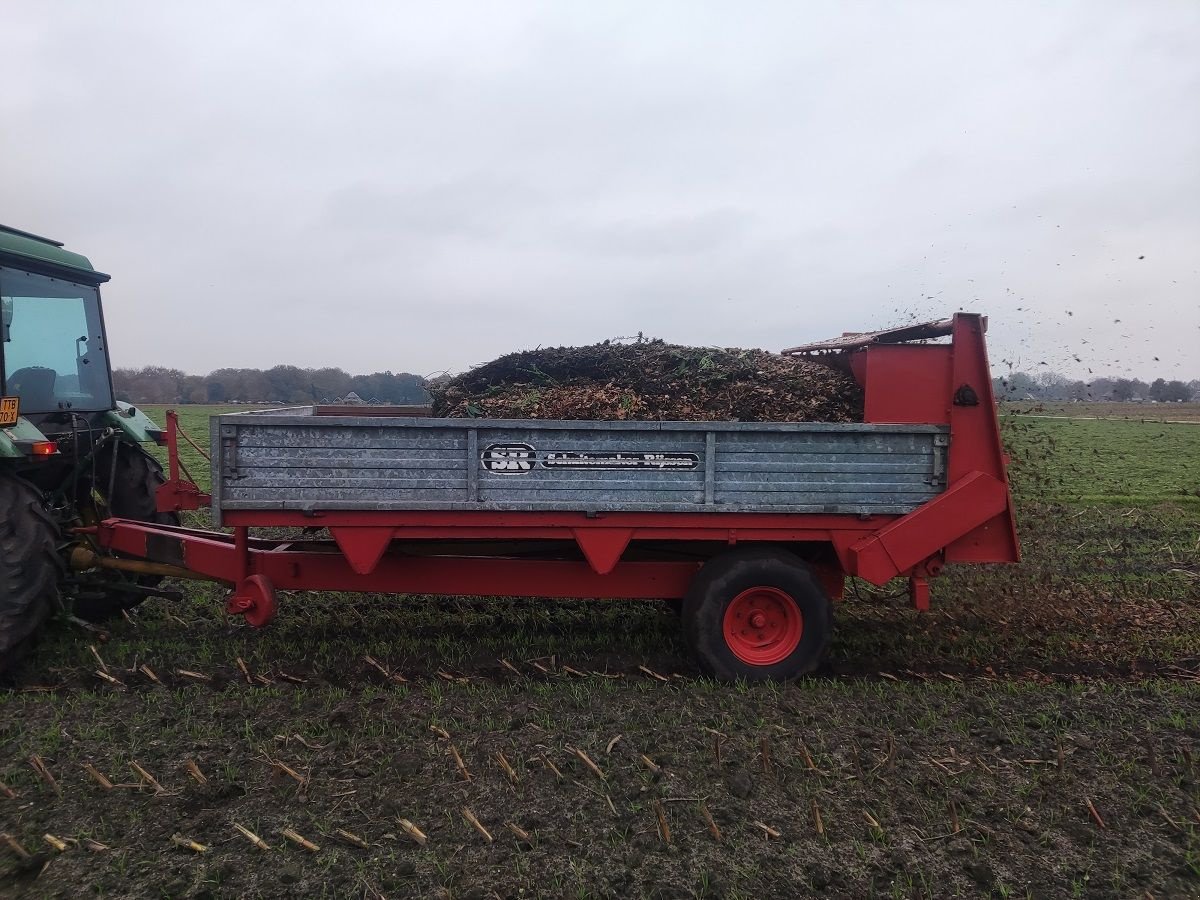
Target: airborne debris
x=651 y=380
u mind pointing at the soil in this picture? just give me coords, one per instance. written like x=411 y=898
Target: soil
x=918 y=792
x=651 y=380
x=973 y=751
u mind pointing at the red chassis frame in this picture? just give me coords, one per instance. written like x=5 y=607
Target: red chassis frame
x=904 y=383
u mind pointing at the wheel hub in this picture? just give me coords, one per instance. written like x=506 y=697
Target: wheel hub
x=763 y=626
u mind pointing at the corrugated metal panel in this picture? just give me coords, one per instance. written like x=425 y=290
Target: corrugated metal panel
x=281 y=460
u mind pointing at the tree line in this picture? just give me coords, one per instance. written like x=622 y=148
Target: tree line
x=280 y=384
x=1052 y=386
x=291 y=384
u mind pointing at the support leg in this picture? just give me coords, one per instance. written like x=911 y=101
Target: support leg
x=918 y=592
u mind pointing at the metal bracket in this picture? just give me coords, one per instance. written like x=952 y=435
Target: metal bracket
x=941 y=444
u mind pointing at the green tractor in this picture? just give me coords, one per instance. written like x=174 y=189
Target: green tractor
x=70 y=454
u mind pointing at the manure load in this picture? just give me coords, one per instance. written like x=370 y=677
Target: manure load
x=652 y=380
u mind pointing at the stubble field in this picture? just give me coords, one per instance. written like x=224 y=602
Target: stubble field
x=1035 y=734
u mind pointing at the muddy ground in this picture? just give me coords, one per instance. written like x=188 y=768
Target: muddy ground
x=847 y=789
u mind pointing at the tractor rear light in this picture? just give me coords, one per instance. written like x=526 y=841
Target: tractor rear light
x=43 y=448
x=159 y=437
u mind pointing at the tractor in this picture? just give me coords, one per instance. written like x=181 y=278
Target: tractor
x=71 y=455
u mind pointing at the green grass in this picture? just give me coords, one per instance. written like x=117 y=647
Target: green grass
x=1105 y=461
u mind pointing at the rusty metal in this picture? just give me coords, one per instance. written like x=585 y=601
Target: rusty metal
x=856 y=340
x=83 y=558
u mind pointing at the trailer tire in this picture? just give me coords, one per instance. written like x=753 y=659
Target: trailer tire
x=758 y=614
x=134 y=488
x=30 y=568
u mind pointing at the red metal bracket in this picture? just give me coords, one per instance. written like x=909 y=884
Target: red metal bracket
x=913 y=538
x=176 y=496
x=602 y=547
x=363 y=547
x=179 y=493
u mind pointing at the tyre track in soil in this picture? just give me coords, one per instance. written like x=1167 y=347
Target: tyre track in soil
x=374 y=672
x=671 y=665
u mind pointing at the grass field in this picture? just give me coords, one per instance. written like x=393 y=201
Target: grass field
x=1035 y=734
x=1133 y=412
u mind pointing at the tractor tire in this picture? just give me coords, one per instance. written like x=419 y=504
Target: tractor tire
x=30 y=568
x=758 y=614
x=134 y=486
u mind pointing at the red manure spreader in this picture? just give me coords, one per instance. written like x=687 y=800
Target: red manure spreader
x=753 y=526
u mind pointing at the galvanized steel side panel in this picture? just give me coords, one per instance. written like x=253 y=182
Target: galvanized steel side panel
x=282 y=460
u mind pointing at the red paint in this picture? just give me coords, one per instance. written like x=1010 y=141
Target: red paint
x=907 y=384
x=363 y=547
x=179 y=493
x=486 y=523
x=913 y=538
x=762 y=626
x=602 y=547
x=254 y=599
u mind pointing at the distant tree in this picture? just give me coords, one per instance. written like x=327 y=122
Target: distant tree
x=1078 y=390
x=1124 y=389
x=1169 y=391
x=325 y=384
x=1022 y=386
x=1101 y=389
x=280 y=384
x=1051 y=386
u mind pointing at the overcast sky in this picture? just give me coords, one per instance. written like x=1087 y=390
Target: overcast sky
x=421 y=187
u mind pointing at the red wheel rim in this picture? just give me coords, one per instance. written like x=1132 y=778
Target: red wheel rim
x=763 y=626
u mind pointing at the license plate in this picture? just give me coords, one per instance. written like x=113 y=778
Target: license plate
x=10 y=410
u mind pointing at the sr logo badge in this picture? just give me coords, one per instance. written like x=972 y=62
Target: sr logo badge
x=508 y=459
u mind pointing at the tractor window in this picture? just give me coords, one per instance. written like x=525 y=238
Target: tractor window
x=53 y=344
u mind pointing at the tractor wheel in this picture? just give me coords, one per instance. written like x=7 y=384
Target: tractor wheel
x=30 y=568
x=758 y=614
x=134 y=486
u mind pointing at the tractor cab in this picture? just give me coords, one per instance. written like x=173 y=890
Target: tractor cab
x=53 y=359
x=52 y=344
x=56 y=393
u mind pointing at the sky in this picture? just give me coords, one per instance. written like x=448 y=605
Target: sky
x=423 y=187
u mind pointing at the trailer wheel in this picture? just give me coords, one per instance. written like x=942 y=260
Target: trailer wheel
x=30 y=568
x=758 y=614
x=134 y=487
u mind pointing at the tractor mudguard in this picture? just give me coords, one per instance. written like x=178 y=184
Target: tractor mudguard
x=134 y=423
x=13 y=436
